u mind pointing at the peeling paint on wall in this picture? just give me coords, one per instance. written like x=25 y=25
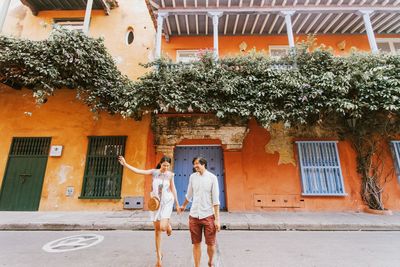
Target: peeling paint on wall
x=53 y=195
x=83 y=161
x=282 y=143
x=63 y=173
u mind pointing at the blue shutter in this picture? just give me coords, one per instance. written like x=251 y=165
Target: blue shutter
x=396 y=156
x=320 y=168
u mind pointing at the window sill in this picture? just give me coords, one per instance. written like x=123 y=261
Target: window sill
x=324 y=195
x=84 y=197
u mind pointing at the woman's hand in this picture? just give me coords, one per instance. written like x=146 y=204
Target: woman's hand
x=121 y=160
x=178 y=209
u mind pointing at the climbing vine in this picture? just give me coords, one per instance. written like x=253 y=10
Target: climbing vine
x=67 y=59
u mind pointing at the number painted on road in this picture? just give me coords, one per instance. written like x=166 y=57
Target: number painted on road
x=72 y=243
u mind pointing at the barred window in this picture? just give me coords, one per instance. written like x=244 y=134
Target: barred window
x=278 y=51
x=320 y=168
x=103 y=173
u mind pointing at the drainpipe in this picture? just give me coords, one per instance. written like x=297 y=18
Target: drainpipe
x=88 y=12
x=370 y=31
x=215 y=19
x=289 y=30
x=160 y=22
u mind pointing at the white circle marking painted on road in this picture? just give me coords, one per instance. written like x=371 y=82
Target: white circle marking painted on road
x=72 y=243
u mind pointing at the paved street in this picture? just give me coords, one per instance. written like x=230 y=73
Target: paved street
x=235 y=248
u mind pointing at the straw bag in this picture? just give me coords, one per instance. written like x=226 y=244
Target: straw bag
x=154 y=204
x=154 y=201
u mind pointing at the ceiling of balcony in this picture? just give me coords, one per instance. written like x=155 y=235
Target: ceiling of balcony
x=264 y=17
x=44 y=5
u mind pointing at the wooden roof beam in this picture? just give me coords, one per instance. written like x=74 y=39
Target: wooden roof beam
x=106 y=7
x=33 y=8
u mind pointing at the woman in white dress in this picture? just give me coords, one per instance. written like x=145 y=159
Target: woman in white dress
x=164 y=188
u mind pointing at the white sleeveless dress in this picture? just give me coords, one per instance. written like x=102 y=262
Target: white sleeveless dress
x=161 y=188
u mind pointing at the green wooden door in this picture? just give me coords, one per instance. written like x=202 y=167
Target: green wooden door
x=22 y=184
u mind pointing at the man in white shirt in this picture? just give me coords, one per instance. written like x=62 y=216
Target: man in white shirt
x=204 y=213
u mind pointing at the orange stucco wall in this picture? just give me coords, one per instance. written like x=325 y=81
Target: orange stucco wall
x=20 y=22
x=58 y=117
x=68 y=121
x=252 y=171
x=229 y=45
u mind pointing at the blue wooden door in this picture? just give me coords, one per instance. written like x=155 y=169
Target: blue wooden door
x=183 y=168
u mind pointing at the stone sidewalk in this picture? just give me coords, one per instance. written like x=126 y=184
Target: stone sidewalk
x=140 y=220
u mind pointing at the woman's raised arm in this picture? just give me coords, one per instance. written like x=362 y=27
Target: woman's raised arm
x=123 y=162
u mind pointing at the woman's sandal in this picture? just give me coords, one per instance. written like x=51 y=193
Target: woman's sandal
x=159 y=264
x=169 y=230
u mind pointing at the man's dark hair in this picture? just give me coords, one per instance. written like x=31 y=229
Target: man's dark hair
x=201 y=160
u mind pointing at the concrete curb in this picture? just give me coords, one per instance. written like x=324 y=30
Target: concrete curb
x=228 y=227
x=136 y=221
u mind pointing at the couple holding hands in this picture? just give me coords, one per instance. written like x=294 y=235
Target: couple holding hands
x=203 y=192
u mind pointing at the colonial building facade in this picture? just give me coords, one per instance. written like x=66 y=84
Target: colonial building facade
x=52 y=159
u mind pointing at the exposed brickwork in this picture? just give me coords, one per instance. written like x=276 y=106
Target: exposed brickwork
x=170 y=130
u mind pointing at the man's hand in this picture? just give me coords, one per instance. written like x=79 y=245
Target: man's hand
x=178 y=210
x=185 y=203
x=217 y=225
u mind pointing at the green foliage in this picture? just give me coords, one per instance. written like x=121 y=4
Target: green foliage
x=317 y=88
x=68 y=59
x=306 y=88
